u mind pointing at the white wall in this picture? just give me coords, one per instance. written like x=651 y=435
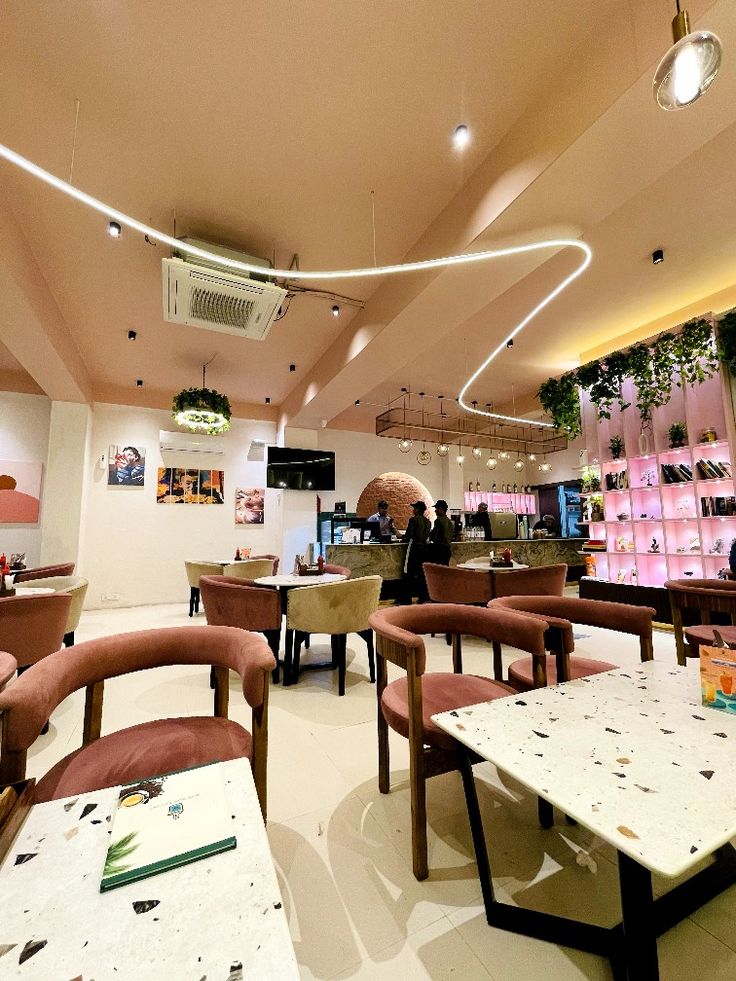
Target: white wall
x=134 y=548
x=24 y=435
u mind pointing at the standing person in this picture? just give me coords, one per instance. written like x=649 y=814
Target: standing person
x=417 y=535
x=441 y=535
x=481 y=519
x=384 y=519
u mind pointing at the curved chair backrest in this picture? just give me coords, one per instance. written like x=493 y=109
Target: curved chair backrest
x=76 y=586
x=593 y=613
x=197 y=569
x=8 y=667
x=404 y=625
x=447 y=584
x=230 y=601
x=542 y=580
x=708 y=594
x=31 y=699
x=274 y=559
x=333 y=607
x=338 y=570
x=249 y=569
x=44 y=571
x=32 y=627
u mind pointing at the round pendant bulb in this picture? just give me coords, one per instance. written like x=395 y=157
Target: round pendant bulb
x=460 y=459
x=503 y=455
x=688 y=69
x=442 y=449
x=519 y=464
x=477 y=452
x=491 y=463
x=405 y=445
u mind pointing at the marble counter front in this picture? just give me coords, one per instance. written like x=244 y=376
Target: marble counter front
x=388 y=560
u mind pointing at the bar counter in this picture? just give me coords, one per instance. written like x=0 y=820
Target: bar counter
x=388 y=560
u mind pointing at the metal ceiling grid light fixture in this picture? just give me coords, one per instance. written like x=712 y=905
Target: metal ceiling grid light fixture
x=180 y=246
x=405 y=444
x=690 y=66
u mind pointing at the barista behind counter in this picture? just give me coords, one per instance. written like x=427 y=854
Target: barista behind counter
x=547 y=523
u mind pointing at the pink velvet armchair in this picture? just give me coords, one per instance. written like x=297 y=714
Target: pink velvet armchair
x=150 y=748
x=408 y=704
x=44 y=571
x=233 y=602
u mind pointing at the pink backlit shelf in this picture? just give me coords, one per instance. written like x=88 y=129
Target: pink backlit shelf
x=518 y=503
x=646 y=507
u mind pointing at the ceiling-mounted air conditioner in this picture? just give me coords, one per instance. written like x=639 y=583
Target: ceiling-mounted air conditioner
x=201 y=294
x=191 y=443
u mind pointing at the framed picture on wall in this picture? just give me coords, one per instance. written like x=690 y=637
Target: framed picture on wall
x=249 y=505
x=126 y=466
x=20 y=492
x=179 y=485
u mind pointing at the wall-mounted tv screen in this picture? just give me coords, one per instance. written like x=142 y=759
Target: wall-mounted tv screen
x=310 y=470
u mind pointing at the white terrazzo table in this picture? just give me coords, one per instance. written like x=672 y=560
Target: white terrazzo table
x=635 y=757
x=219 y=918
x=484 y=565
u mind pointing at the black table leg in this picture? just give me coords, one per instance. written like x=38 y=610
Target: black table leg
x=476 y=830
x=288 y=656
x=637 y=906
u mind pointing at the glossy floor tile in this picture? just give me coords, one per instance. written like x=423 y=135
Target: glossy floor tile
x=343 y=850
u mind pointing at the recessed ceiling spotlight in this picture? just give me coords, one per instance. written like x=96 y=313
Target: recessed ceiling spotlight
x=510 y=342
x=114 y=230
x=139 y=382
x=132 y=335
x=335 y=310
x=268 y=400
x=688 y=69
x=292 y=367
x=461 y=137
x=357 y=401
x=658 y=256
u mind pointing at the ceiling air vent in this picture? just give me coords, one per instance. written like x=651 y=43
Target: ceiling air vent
x=218 y=300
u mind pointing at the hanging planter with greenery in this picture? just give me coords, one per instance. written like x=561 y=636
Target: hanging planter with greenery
x=560 y=398
x=202 y=410
x=727 y=341
x=695 y=353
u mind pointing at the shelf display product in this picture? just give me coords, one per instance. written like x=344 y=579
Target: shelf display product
x=669 y=513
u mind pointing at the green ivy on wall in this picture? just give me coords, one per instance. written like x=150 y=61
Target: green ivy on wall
x=687 y=358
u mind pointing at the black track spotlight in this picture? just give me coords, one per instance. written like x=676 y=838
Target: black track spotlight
x=658 y=256
x=268 y=400
x=335 y=310
x=139 y=382
x=510 y=342
x=292 y=368
x=114 y=229
x=357 y=401
x=132 y=335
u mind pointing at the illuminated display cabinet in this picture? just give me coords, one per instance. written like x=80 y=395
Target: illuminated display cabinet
x=657 y=523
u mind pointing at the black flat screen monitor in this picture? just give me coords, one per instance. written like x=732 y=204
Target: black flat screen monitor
x=308 y=470
x=371 y=530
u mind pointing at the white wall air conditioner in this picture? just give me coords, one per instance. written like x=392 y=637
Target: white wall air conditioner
x=191 y=443
x=219 y=300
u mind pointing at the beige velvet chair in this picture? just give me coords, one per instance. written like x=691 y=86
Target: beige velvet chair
x=76 y=586
x=249 y=569
x=194 y=571
x=338 y=609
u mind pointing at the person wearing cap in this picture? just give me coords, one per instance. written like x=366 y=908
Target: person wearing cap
x=384 y=519
x=417 y=536
x=548 y=524
x=441 y=535
x=481 y=519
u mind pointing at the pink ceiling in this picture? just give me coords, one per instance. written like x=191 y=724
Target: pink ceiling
x=266 y=126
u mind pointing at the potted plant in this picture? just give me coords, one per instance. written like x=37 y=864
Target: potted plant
x=616 y=444
x=677 y=434
x=591 y=480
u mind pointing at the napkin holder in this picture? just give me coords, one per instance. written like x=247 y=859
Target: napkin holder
x=308 y=570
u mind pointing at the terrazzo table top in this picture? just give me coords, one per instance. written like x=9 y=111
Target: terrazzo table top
x=291 y=580
x=484 y=565
x=630 y=754
x=219 y=919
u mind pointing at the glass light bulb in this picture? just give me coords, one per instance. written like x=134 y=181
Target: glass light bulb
x=532 y=457
x=461 y=137
x=491 y=463
x=519 y=464
x=424 y=457
x=405 y=445
x=442 y=449
x=477 y=452
x=687 y=76
x=460 y=459
x=503 y=455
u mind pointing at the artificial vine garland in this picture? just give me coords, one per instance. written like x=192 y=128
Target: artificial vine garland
x=692 y=356
x=202 y=409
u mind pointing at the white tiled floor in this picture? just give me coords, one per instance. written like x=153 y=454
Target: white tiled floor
x=343 y=851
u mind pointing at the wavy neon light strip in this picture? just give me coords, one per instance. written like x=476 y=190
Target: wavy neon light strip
x=453 y=260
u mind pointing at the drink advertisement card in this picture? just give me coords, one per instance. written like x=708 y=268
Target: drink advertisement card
x=163 y=822
x=718 y=678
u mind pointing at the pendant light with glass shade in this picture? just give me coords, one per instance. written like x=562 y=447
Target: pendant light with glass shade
x=405 y=444
x=519 y=464
x=688 y=69
x=460 y=458
x=492 y=461
x=424 y=457
x=476 y=451
x=442 y=448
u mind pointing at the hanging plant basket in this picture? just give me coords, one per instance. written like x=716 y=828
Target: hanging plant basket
x=202 y=410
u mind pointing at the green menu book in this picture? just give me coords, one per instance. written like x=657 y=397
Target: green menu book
x=163 y=822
